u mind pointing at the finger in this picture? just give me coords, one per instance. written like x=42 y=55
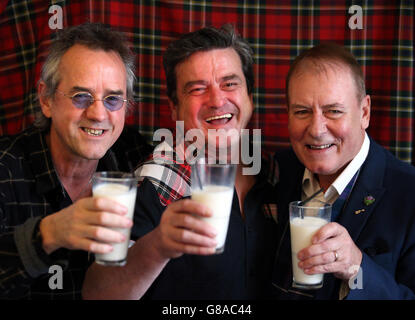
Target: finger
x=324 y=268
x=97 y=247
x=104 y=235
x=105 y=204
x=191 y=206
x=86 y=244
x=184 y=236
x=188 y=249
x=108 y=219
x=190 y=222
x=192 y=249
x=327 y=231
x=329 y=245
x=318 y=260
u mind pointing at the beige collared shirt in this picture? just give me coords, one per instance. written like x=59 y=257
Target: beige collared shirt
x=311 y=184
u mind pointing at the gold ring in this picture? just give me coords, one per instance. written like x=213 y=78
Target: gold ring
x=336 y=256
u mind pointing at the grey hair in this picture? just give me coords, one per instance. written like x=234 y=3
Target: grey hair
x=94 y=36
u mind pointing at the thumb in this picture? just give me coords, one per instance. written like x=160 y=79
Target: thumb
x=325 y=232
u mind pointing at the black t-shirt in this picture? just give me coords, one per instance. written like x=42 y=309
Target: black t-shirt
x=242 y=271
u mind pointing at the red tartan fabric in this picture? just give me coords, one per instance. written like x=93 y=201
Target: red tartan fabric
x=277 y=31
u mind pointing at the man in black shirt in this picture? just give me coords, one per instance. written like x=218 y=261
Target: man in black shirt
x=209 y=84
x=46 y=206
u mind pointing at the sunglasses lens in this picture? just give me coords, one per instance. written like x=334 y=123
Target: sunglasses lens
x=113 y=103
x=82 y=100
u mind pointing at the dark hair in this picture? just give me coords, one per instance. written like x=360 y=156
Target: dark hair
x=94 y=36
x=326 y=53
x=206 y=39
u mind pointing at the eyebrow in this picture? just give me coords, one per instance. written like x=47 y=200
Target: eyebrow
x=110 y=92
x=203 y=82
x=231 y=77
x=299 y=106
x=332 y=105
x=326 y=106
x=193 y=83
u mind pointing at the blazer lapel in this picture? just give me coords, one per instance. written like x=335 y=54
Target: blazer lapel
x=369 y=187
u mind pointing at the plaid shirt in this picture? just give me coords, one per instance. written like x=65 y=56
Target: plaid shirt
x=170 y=176
x=29 y=190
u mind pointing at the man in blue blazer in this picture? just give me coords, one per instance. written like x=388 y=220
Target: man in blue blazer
x=368 y=250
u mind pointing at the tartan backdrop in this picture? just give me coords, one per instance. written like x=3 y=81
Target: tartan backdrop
x=276 y=30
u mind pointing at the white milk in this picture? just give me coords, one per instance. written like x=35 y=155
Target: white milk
x=302 y=230
x=219 y=200
x=126 y=197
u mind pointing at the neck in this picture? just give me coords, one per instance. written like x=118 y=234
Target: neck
x=75 y=174
x=324 y=182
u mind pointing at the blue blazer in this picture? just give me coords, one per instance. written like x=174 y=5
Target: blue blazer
x=384 y=230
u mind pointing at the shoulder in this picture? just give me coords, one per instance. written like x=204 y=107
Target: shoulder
x=399 y=171
x=288 y=163
x=17 y=153
x=131 y=148
x=169 y=176
x=286 y=158
x=13 y=147
x=396 y=170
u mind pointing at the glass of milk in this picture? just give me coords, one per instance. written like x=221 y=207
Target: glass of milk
x=305 y=220
x=213 y=185
x=122 y=188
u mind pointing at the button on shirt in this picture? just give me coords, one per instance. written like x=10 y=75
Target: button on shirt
x=311 y=184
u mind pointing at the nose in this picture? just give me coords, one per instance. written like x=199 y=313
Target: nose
x=96 y=111
x=216 y=97
x=318 y=125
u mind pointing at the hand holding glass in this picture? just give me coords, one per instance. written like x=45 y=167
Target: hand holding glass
x=122 y=188
x=212 y=185
x=305 y=221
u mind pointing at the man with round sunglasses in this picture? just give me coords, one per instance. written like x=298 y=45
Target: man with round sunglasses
x=48 y=217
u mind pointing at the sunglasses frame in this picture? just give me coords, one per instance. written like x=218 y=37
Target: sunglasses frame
x=93 y=99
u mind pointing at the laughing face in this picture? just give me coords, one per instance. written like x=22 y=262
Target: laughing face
x=212 y=92
x=78 y=134
x=327 y=121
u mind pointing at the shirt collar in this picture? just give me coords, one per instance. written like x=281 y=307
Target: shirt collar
x=311 y=185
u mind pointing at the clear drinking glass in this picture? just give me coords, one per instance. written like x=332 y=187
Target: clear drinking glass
x=213 y=185
x=305 y=220
x=122 y=188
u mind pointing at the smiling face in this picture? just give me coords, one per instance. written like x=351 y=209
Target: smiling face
x=212 y=92
x=78 y=134
x=326 y=120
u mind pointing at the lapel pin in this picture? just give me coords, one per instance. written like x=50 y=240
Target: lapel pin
x=359 y=211
x=368 y=200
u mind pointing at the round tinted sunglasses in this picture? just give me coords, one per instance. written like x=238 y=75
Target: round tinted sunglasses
x=83 y=100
